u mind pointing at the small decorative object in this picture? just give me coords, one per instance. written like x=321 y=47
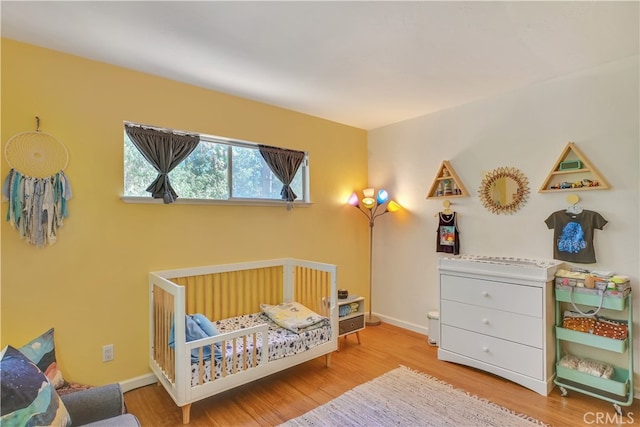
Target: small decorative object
x=343 y=293
x=570 y=164
x=447 y=187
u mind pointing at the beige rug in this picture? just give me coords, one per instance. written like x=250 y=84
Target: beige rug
x=403 y=397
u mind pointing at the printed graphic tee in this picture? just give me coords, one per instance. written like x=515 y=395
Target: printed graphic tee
x=573 y=235
x=447 y=237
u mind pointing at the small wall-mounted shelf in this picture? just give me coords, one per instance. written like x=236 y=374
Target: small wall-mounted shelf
x=447 y=184
x=573 y=172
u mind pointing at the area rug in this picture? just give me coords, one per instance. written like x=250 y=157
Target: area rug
x=404 y=397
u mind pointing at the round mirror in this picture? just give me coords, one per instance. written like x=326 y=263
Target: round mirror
x=504 y=190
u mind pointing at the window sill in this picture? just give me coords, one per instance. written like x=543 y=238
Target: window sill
x=230 y=202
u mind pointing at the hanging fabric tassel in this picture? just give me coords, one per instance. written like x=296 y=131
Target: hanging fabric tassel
x=37 y=206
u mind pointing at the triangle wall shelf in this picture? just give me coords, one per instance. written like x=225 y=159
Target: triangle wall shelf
x=573 y=172
x=447 y=184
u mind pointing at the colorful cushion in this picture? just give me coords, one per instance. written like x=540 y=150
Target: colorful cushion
x=42 y=352
x=28 y=398
x=294 y=316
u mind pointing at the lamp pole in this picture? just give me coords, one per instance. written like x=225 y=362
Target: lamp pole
x=371 y=320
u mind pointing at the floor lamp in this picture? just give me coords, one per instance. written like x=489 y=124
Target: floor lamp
x=372 y=208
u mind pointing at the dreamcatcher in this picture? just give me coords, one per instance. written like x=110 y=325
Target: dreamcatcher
x=36 y=187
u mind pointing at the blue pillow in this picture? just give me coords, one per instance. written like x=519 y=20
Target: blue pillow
x=205 y=324
x=194 y=332
x=28 y=398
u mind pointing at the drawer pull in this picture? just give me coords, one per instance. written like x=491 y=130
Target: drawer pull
x=485 y=321
x=485 y=293
x=485 y=349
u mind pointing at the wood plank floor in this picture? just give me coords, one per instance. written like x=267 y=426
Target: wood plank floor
x=291 y=393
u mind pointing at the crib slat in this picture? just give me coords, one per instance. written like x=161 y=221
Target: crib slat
x=244 y=352
x=223 y=371
x=255 y=350
x=201 y=365
x=233 y=358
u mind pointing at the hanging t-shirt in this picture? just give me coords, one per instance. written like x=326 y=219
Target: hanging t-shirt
x=447 y=238
x=573 y=235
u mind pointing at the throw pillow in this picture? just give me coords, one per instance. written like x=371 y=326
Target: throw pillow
x=194 y=332
x=28 y=398
x=294 y=316
x=208 y=328
x=205 y=324
x=42 y=351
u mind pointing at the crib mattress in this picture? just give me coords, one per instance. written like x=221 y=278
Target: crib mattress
x=282 y=343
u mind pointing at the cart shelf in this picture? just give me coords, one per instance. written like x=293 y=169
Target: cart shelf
x=619 y=346
x=612 y=303
x=618 y=384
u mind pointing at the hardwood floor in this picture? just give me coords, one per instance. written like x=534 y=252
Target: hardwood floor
x=291 y=393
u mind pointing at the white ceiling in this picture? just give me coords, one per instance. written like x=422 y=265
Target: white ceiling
x=365 y=64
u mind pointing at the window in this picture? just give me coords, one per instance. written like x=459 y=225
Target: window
x=218 y=169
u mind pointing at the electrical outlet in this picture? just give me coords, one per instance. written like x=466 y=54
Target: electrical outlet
x=107 y=353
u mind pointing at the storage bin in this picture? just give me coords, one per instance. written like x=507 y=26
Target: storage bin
x=434 y=327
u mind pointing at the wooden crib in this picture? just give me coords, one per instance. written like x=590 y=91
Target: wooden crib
x=225 y=291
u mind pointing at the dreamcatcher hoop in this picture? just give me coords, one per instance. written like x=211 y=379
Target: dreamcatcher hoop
x=36 y=154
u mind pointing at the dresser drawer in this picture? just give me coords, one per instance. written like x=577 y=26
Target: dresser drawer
x=497 y=323
x=504 y=354
x=520 y=299
x=350 y=325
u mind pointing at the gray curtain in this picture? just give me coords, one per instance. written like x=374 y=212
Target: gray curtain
x=284 y=164
x=164 y=151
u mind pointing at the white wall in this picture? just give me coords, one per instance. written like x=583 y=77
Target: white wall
x=527 y=129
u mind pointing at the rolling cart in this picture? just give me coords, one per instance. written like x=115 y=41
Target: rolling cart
x=618 y=389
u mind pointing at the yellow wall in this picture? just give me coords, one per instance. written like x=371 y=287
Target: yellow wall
x=92 y=284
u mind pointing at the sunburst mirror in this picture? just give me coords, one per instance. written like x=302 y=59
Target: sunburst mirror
x=504 y=190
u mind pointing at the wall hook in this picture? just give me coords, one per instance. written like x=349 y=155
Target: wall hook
x=37 y=124
x=447 y=207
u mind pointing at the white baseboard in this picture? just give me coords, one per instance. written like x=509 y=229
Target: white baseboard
x=141 y=381
x=402 y=324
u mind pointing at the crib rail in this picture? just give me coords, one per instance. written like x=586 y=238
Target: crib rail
x=240 y=361
x=220 y=295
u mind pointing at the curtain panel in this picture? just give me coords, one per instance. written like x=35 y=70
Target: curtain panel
x=164 y=150
x=284 y=164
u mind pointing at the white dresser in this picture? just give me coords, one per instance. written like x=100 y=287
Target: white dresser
x=497 y=314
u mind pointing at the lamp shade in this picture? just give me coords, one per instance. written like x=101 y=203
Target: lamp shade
x=393 y=206
x=369 y=202
x=368 y=192
x=383 y=196
x=353 y=200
